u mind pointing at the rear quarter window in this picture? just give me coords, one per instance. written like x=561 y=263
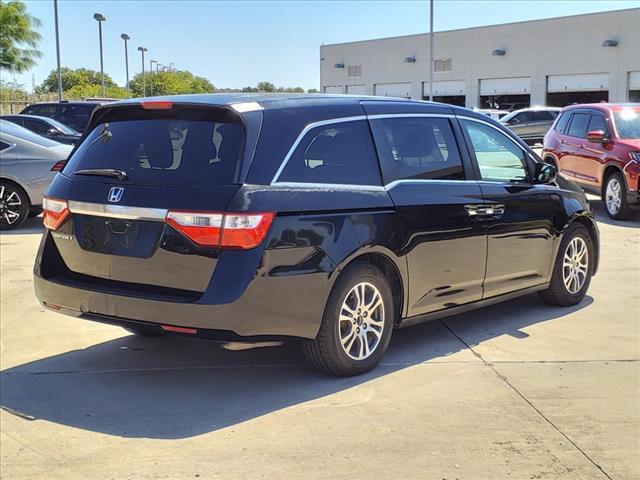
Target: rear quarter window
x=182 y=150
x=338 y=153
x=561 y=124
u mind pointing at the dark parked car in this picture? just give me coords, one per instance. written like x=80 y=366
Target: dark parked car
x=598 y=146
x=74 y=114
x=328 y=219
x=47 y=127
x=531 y=124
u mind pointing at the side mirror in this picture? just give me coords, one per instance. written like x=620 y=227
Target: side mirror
x=545 y=173
x=53 y=132
x=596 y=136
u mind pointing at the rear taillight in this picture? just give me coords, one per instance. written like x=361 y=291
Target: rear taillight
x=157 y=105
x=230 y=230
x=58 y=166
x=54 y=212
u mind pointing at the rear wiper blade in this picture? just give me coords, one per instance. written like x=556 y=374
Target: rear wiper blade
x=103 y=172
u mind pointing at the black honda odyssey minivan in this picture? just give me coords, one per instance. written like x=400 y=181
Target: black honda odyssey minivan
x=331 y=220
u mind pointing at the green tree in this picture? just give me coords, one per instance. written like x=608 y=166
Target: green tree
x=172 y=82
x=82 y=91
x=266 y=87
x=18 y=37
x=71 y=78
x=313 y=90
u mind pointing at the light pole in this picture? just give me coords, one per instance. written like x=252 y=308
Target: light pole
x=431 y=50
x=144 y=88
x=100 y=18
x=125 y=37
x=55 y=14
x=152 y=79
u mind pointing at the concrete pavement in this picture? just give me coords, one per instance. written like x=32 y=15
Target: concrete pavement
x=519 y=390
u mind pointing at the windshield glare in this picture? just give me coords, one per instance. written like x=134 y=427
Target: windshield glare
x=628 y=123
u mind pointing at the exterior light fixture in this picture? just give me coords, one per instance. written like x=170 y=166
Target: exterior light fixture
x=499 y=52
x=339 y=65
x=410 y=59
x=610 y=43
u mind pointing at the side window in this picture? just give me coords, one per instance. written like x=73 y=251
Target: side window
x=578 y=126
x=597 y=123
x=76 y=116
x=418 y=148
x=3 y=146
x=523 y=117
x=340 y=153
x=35 y=126
x=500 y=159
x=44 y=110
x=541 y=116
x=561 y=124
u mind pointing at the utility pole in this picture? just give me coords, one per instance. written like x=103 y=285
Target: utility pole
x=55 y=14
x=431 y=50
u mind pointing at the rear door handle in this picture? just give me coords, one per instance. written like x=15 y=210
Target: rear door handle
x=485 y=212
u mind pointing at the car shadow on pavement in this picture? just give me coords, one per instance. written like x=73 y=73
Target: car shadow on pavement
x=30 y=226
x=176 y=387
x=601 y=215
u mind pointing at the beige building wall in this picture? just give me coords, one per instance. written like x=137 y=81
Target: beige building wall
x=533 y=49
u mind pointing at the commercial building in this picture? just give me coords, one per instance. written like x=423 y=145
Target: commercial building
x=557 y=61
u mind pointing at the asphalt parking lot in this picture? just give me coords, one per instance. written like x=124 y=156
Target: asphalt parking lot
x=520 y=390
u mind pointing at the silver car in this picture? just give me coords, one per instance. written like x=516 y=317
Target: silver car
x=531 y=124
x=26 y=160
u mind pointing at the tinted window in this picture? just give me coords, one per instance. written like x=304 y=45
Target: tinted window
x=44 y=110
x=76 y=116
x=541 y=116
x=597 y=123
x=171 y=151
x=337 y=153
x=418 y=148
x=4 y=145
x=500 y=159
x=579 y=124
x=562 y=122
x=36 y=126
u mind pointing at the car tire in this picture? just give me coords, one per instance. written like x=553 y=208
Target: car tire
x=614 y=197
x=14 y=205
x=354 y=333
x=572 y=269
x=143 y=331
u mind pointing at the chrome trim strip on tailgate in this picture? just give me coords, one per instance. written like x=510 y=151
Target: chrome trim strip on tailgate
x=117 y=211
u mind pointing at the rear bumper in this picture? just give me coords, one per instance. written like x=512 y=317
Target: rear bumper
x=252 y=298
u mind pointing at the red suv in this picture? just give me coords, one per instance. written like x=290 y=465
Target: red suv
x=598 y=146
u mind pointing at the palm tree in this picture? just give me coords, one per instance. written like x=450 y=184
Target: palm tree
x=18 y=37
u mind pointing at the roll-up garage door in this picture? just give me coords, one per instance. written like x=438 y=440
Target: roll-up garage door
x=402 y=90
x=333 y=89
x=448 y=88
x=505 y=86
x=357 y=89
x=563 y=90
x=590 y=82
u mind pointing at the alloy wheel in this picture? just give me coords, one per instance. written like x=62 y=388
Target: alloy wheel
x=575 y=265
x=362 y=321
x=10 y=205
x=613 y=196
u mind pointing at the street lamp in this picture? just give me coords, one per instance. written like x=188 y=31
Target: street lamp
x=125 y=37
x=153 y=80
x=100 y=18
x=144 y=88
x=55 y=14
x=431 y=50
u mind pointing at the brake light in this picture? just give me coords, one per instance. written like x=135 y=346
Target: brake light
x=157 y=105
x=231 y=230
x=58 y=166
x=54 y=212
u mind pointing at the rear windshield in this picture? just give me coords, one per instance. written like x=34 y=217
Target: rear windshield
x=163 y=148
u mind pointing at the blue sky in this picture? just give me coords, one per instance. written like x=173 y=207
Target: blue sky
x=235 y=44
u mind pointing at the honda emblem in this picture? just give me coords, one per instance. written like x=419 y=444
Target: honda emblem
x=115 y=194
